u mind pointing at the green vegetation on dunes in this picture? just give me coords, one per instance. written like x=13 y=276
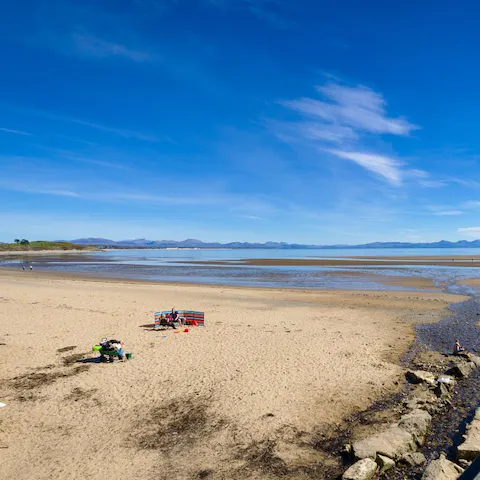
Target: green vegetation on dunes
x=25 y=245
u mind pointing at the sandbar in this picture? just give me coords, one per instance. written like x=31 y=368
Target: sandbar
x=344 y=262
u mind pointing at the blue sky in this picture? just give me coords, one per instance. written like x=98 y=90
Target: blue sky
x=307 y=121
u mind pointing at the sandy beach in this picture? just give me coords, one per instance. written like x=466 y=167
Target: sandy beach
x=247 y=396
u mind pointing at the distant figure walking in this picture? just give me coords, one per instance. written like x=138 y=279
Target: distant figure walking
x=23 y=267
x=31 y=268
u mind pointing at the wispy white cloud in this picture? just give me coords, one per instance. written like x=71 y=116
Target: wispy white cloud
x=386 y=167
x=152 y=199
x=432 y=183
x=449 y=212
x=345 y=117
x=68 y=155
x=472 y=231
x=465 y=182
x=122 y=132
x=471 y=204
x=271 y=11
x=312 y=131
x=16 y=132
x=444 y=210
x=32 y=189
x=119 y=131
x=114 y=193
x=61 y=193
x=357 y=107
x=250 y=217
x=92 y=46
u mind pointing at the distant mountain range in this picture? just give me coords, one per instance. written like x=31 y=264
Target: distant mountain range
x=192 y=243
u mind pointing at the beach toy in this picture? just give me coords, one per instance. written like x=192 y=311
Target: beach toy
x=129 y=356
x=96 y=348
x=2 y=404
x=186 y=330
x=176 y=332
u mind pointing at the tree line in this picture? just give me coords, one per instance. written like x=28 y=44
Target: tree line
x=23 y=241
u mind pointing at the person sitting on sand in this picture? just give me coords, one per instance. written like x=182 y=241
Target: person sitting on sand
x=110 y=348
x=167 y=321
x=458 y=349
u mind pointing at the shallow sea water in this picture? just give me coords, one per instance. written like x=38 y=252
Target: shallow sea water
x=174 y=266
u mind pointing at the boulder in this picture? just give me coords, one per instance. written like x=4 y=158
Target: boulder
x=433 y=409
x=443 y=392
x=362 y=470
x=421 y=376
x=461 y=369
x=417 y=423
x=475 y=360
x=442 y=469
x=464 y=463
x=470 y=448
x=384 y=463
x=447 y=380
x=392 y=443
x=423 y=397
x=413 y=459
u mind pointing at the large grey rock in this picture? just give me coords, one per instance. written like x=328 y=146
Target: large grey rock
x=421 y=376
x=417 y=423
x=447 y=380
x=475 y=360
x=392 y=443
x=442 y=469
x=422 y=396
x=470 y=448
x=464 y=463
x=362 y=470
x=413 y=459
x=462 y=369
x=443 y=392
x=384 y=463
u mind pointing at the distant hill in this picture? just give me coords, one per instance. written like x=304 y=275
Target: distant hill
x=193 y=243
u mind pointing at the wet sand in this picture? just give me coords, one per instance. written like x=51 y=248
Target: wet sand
x=238 y=399
x=404 y=282
x=349 y=262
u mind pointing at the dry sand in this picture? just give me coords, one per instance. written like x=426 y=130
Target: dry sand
x=246 y=397
x=473 y=282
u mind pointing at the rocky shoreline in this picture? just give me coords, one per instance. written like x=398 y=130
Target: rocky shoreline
x=423 y=428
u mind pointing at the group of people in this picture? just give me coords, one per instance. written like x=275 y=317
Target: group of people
x=23 y=268
x=171 y=319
